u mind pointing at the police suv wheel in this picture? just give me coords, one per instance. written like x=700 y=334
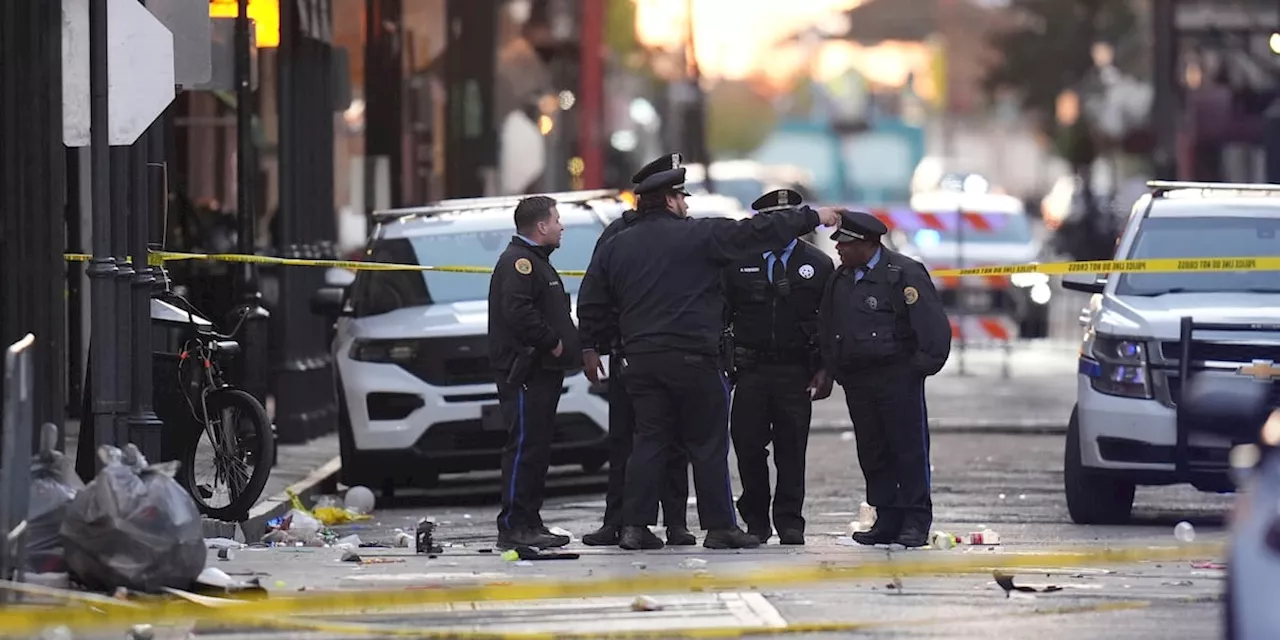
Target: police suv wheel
x=1092 y=498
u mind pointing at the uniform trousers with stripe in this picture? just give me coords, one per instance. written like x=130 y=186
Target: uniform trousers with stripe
x=681 y=403
x=891 y=424
x=530 y=413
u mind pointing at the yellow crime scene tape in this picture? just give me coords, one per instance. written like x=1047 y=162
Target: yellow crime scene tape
x=20 y=620
x=1156 y=265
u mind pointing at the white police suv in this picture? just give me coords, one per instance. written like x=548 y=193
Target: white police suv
x=1145 y=333
x=417 y=393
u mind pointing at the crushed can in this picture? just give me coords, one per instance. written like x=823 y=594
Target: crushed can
x=942 y=540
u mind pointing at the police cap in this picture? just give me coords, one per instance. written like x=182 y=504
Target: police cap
x=856 y=225
x=669 y=180
x=777 y=200
x=665 y=163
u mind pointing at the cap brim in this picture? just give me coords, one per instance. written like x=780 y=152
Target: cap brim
x=844 y=235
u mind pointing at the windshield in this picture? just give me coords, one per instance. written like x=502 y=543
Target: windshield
x=1208 y=237
x=1003 y=228
x=376 y=292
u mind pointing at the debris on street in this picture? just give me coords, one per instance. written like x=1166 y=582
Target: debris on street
x=54 y=484
x=645 y=603
x=423 y=540
x=1005 y=582
x=1208 y=564
x=360 y=500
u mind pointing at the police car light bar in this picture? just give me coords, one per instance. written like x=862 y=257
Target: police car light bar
x=1160 y=187
x=472 y=204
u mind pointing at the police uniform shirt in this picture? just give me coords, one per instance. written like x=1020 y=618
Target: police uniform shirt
x=529 y=307
x=873 y=316
x=768 y=315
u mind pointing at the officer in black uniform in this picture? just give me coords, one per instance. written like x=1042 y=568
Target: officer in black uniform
x=532 y=342
x=883 y=332
x=674 y=493
x=773 y=300
x=662 y=276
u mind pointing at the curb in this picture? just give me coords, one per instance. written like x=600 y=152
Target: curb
x=318 y=481
x=980 y=427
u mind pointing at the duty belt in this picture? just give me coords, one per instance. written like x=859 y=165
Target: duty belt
x=798 y=355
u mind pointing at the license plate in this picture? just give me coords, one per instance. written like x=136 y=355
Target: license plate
x=491 y=418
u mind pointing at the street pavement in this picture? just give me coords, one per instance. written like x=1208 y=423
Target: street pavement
x=1008 y=480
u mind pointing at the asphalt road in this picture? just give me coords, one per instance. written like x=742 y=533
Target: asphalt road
x=1010 y=483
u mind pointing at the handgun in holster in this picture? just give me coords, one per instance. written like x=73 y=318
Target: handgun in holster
x=728 y=356
x=518 y=374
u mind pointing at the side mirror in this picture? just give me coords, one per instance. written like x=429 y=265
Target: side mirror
x=1084 y=282
x=327 y=302
x=1233 y=407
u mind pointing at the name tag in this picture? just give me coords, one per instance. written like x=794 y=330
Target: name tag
x=749 y=270
x=554 y=283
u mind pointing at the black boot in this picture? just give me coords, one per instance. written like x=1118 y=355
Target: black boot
x=680 y=536
x=734 y=538
x=637 y=538
x=761 y=534
x=913 y=537
x=528 y=537
x=791 y=536
x=876 y=535
x=605 y=536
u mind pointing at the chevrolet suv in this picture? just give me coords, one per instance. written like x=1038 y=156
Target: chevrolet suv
x=1147 y=332
x=417 y=392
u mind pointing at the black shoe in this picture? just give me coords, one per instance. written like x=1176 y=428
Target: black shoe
x=912 y=537
x=559 y=540
x=734 y=538
x=680 y=537
x=637 y=538
x=875 y=536
x=606 y=536
x=762 y=535
x=791 y=536
x=527 y=537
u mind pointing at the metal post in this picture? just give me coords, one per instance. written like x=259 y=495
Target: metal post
x=145 y=427
x=963 y=305
x=1272 y=141
x=253 y=336
x=1165 y=105
x=102 y=268
x=122 y=171
x=16 y=433
x=591 y=94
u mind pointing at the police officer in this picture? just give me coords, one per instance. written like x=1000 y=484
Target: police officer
x=883 y=332
x=773 y=300
x=674 y=492
x=662 y=276
x=532 y=342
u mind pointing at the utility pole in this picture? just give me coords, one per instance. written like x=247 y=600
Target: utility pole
x=696 y=118
x=253 y=337
x=591 y=94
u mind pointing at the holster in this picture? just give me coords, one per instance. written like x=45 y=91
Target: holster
x=728 y=356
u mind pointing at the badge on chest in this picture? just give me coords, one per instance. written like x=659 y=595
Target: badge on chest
x=872 y=303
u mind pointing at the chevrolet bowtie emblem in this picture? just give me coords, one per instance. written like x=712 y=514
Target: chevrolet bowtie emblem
x=1260 y=370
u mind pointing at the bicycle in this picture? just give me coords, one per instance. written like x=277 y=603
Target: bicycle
x=234 y=424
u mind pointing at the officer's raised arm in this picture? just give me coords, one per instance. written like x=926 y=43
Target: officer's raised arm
x=928 y=320
x=729 y=240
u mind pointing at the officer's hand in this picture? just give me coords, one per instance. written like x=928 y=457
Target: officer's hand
x=820 y=386
x=559 y=348
x=591 y=365
x=830 y=216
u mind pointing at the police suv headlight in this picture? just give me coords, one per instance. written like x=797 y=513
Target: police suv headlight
x=385 y=351
x=1116 y=366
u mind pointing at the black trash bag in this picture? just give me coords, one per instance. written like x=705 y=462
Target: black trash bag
x=134 y=526
x=54 y=484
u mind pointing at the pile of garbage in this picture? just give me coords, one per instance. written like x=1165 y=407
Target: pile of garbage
x=311 y=527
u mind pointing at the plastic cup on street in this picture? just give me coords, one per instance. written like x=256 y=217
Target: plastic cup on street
x=866 y=515
x=1184 y=532
x=360 y=500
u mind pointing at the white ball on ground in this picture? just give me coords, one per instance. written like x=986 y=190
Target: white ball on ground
x=360 y=500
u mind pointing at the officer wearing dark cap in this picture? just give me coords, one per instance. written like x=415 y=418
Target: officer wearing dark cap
x=662 y=277
x=773 y=300
x=883 y=332
x=675 y=485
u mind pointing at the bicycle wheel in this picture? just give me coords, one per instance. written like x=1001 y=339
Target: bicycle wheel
x=226 y=467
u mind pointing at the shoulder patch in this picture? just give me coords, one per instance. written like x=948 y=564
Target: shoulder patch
x=806 y=271
x=523 y=266
x=911 y=295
